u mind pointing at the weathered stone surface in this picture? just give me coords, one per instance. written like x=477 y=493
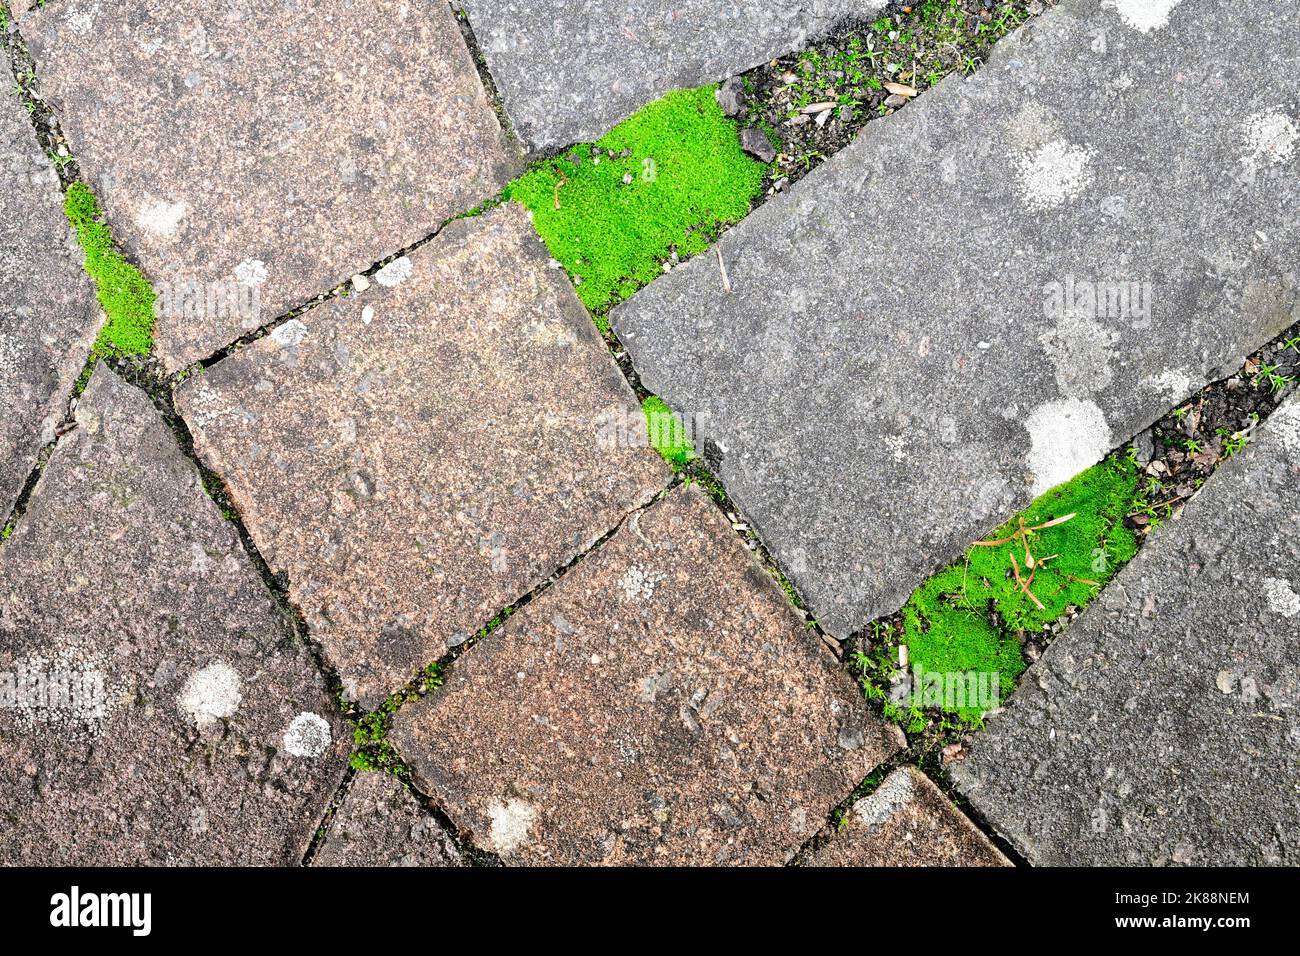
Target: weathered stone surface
x=213 y=738
x=660 y=704
x=19 y=7
x=908 y=821
x=568 y=71
x=48 y=313
x=281 y=147
x=421 y=455
x=889 y=378
x=1161 y=728
x=381 y=824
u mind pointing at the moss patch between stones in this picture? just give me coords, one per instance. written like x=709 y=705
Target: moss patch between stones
x=658 y=186
x=974 y=617
x=122 y=290
x=667 y=433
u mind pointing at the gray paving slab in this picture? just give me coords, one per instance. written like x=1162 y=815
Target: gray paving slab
x=417 y=457
x=266 y=151
x=909 y=353
x=48 y=313
x=660 y=704
x=381 y=824
x=907 y=821
x=1162 y=727
x=154 y=707
x=567 y=71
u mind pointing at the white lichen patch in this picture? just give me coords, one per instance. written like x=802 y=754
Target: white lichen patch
x=1285 y=424
x=81 y=19
x=890 y=797
x=1067 y=436
x=211 y=694
x=251 y=272
x=289 y=334
x=1053 y=174
x=1271 y=139
x=638 y=584
x=162 y=219
x=511 y=824
x=309 y=735
x=1080 y=350
x=395 y=273
x=1281 y=597
x=1173 y=384
x=1143 y=15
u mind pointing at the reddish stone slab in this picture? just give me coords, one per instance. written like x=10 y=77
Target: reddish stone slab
x=48 y=313
x=155 y=708
x=419 y=456
x=281 y=147
x=661 y=704
x=908 y=821
x=381 y=824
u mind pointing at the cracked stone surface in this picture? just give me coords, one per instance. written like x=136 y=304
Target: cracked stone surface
x=279 y=148
x=908 y=354
x=421 y=455
x=661 y=704
x=156 y=708
x=48 y=313
x=567 y=71
x=908 y=821
x=381 y=824
x=1161 y=728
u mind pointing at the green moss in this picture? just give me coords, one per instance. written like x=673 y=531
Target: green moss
x=123 y=291
x=948 y=624
x=688 y=178
x=667 y=433
x=372 y=750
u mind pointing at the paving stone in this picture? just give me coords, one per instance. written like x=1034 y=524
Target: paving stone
x=381 y=824
x=908 y=821
x=889 y=376
x=277 y=147
x=567 y=71
x=156 y=710
x=421 y=455
x=1161 y=727
x=48 y=314
x=660 y=704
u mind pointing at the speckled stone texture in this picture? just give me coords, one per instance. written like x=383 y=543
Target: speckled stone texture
x=417 y=457
x=48 y=313
x=909 y=353
x=282 y=146
x=179 y=722
x=908 y=821
x=661 y=704
x=1161 y=728
x=381 y=824
x=568 y=71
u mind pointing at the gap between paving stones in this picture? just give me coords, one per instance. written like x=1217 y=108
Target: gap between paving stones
x=927 y=746
x=470 y=854
x=486 y=78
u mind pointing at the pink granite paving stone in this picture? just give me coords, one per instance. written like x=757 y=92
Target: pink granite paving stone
x=381 y=824
x=277 y=147
x=154 y=706
x=418 y=457
x=48 y=313
x=907 y=821
x=661 y=704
